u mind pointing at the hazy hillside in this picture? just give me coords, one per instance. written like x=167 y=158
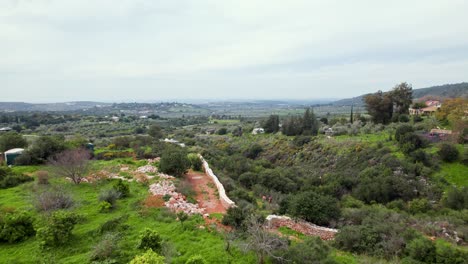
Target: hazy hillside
x=446 y=91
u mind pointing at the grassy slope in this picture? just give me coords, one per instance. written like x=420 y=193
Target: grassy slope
x=187 y=241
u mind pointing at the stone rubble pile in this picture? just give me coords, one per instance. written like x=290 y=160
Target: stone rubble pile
x=147 y=169
x=177 y=202
x=308 y=229
x=166 y=176
x=154 y=160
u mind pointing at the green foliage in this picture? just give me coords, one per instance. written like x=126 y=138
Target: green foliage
x=110 y=196
x=12 y=140
x=271 y=125
x=313 y=207
x=149 y=257
x=150 y=239
x=9 y=179
x=222 y=131
x=310 y=125
x=105 y=206
x=106 y=248
x=379 y=106
x=123 y=188
x=182 y=216
x=16 y=226
x=253 y=151
x=236 y=217
x=420 y=205
x=448 y=152
x=197 y=259
x=155 y=131
x=457 y=198
x=421 y=249
x=195 y=161
x=311 y=251
x=174 y=161
x=58 y=228
x=114 y=224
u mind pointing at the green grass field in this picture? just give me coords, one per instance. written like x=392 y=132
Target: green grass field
x=183 y=241
x=454 y=173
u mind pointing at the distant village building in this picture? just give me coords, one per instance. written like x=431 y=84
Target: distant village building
x=329 y=131
x=210 y=131
x=431 y=107
x=5 y=129
x=12 y=154
x=258 y=130
x=115 y=118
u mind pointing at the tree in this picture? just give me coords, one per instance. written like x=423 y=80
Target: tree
x=272 y=124
x=262 y=242
x=309 y=123
x=155 y=131
x=351 y=115
x=379 y=106
x=196 y=259
x=150 y=239
x=402 y=97
x=422 y=249
x=72 y=163
x=12 y=140
x=174 y=161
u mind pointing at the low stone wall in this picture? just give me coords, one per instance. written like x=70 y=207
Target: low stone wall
x=227 y=203
x=306 y=228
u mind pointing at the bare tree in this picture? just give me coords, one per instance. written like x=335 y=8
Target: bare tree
x=262 y=242
x=72 y=164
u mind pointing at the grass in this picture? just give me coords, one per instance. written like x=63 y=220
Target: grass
x=225 y=121
x=290 y=232
x=184 y=241
x=454 y=173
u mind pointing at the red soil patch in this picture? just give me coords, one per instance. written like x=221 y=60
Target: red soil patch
x=154 y=201
x=207 y=194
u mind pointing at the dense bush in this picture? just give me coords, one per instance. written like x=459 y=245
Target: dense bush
x=313 y=207
x=150 y=239
x=457 y=198
x=12 y=140
x=448 y=152
x=58 y=229
x=195 y=161
x=113 y=225
x=149 y=257
x=15 y=226
x=42 y=177
x=122 y=187
x=174 y=161
x=310 y=251
x=197 y=259
x=422 y=249
x=236 y=217
x=9 y=179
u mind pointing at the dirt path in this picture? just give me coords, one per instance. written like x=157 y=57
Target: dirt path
x=207 y=194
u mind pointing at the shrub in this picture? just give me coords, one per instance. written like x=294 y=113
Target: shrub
x=253 y=151
x=150 y=239
x=16 y=226
x=110 y=196
x=421 y=249
x=149 y=257
x=104 y=206
x=235 y=217
x=197 y=259
x=311 y=250
x=420 y=205
x=195 y=161
x=448 y=152
x=10 y=179
x=222 y=131
x=403 y=118
x=174 y=161
x=402 y=130
x=58 y=229
x=457 y=198
x=114 y=224
x=42 y=177
x=122 y=187
x=106 y=248
x=313 y=207
x=53 y=199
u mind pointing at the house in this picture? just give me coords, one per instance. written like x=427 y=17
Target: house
x=12 y=154
x=329 y=131
x=258 y=130
x=431 y=107
x=115 y=118
x=5 y=129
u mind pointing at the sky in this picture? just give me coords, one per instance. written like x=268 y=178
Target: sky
x=150 y=50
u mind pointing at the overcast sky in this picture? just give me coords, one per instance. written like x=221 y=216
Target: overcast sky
x=135 y=50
